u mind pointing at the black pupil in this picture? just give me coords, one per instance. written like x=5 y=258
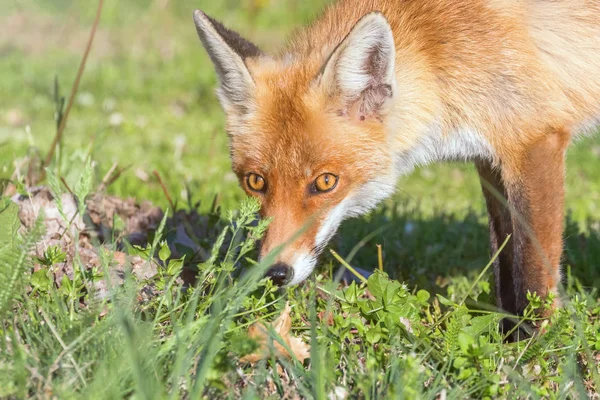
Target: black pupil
x=326 y=180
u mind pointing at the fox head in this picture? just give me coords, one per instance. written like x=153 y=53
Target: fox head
x=308 y=133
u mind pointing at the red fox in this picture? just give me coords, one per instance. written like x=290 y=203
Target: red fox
x=322 y=131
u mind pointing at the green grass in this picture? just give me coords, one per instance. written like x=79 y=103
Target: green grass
x=146 y=101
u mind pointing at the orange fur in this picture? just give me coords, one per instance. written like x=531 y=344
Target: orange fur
x=505 y=83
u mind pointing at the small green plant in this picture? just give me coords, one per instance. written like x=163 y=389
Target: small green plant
x=52 y=255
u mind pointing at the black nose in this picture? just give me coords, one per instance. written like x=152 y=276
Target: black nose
x=280 y=273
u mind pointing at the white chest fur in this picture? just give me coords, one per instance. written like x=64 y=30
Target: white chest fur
x=463 y=144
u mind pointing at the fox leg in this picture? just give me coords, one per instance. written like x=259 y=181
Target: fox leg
x=500 y=226
x=525 y=198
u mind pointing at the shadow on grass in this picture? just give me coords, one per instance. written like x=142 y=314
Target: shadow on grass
x=431 y=251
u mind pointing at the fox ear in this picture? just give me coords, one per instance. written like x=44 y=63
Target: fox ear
x=228 y=51
x=362 y=68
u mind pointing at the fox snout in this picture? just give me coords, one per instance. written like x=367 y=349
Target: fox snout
x=280 y=273
x=292 y=243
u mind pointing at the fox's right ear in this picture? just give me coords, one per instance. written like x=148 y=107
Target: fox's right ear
x=228 y=51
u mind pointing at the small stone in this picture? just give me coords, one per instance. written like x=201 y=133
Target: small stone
x=14 y=117
x=406 y=324
x=338 y=393
x=142 y=175
x=115 y=119
x=86 y=99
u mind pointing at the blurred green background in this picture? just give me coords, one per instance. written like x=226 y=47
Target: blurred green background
x=147 y=101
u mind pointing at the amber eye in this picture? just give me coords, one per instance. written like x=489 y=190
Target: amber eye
x=325 y=182
x=256 y=182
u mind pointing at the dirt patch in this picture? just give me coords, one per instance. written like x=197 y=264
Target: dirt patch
x=110 y=226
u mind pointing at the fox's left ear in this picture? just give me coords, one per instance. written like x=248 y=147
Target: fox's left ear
x=362 y=68
x=228 y=52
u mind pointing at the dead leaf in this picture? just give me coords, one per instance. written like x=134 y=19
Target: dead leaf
x=326 y=316
x=282 y=326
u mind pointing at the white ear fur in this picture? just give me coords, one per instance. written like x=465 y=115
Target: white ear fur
x=227 y=50
x=362 y=67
